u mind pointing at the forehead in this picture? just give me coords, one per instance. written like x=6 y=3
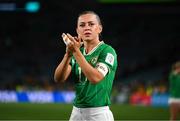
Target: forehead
x=87 y=18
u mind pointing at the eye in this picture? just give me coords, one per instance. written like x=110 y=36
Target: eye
x=82 y=25
x=91 y=24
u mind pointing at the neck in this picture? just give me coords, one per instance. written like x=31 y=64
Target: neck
x=89 y=45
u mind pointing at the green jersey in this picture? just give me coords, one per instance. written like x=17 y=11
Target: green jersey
x=174 y=85
x=95 y=95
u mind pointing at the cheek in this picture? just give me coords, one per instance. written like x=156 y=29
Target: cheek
x=97 y=30
x=79 y=31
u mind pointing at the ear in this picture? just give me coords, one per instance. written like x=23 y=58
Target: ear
x=100 y=29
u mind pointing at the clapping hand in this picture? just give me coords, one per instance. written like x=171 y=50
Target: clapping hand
x=72 y=43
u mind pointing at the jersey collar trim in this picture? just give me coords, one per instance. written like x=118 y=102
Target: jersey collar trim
x=84 y=52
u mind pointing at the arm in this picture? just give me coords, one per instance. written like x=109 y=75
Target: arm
x=63 y=69
x=92 y=74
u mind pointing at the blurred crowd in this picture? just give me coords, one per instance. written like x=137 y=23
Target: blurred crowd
x=145 y=38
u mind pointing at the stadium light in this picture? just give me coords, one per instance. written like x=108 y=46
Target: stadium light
x=32 y=6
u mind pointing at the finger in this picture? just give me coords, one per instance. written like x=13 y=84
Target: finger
x=77 y=39
x=70 y=37
x=63 y=35
x=73 y=39
x=69 y=45
x=80 y=40
x=65 y=39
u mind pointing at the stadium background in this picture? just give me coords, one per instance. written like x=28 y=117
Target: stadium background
x=144 y=33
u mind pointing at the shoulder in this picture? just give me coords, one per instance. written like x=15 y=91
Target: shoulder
x=108 y=49
x=109 y=55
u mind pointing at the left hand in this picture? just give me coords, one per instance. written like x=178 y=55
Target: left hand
x=76 y=42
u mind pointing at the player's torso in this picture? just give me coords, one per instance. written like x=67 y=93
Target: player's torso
x=175 y=85
x=91 y=58
x=86 y=92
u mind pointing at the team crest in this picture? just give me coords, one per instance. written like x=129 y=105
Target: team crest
x=94 y=60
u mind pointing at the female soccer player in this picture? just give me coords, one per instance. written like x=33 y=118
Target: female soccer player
x=94 y=65
x=174 y=99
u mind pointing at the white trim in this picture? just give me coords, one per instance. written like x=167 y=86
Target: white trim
x=174 y=100
x=84 y=51
x=102 y=68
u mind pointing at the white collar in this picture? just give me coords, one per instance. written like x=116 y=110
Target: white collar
x=84 y=51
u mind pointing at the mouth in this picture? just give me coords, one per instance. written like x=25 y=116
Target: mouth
x=87 y=33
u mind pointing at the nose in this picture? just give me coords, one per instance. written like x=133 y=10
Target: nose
x=87 y=26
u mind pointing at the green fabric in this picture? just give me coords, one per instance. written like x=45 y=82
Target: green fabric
x=94 y=95
x=174 y=85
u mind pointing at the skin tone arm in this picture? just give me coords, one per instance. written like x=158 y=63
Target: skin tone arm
x=92 y=74
x=64 y=69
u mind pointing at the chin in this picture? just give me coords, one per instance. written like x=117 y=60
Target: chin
x=87 y=39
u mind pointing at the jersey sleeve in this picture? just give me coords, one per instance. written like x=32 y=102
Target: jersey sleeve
x=107 y=60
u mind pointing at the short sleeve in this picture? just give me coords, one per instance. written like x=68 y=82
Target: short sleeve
x=108 y=57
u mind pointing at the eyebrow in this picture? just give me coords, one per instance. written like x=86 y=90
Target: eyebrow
x=87 y=22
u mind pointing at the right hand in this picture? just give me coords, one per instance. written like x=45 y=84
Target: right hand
x=67 y=42
x=72 y=43
x=76 y=42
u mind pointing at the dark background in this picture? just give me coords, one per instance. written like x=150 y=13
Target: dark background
x=144 y=35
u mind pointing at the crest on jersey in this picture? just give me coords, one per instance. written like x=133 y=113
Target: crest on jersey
x=94 y=60
x=109 y=59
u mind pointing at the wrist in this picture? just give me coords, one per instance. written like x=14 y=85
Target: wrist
x=68 y=54
x=76 y=50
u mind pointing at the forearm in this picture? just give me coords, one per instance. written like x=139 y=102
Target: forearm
x=63 y=70
x=92 y=74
